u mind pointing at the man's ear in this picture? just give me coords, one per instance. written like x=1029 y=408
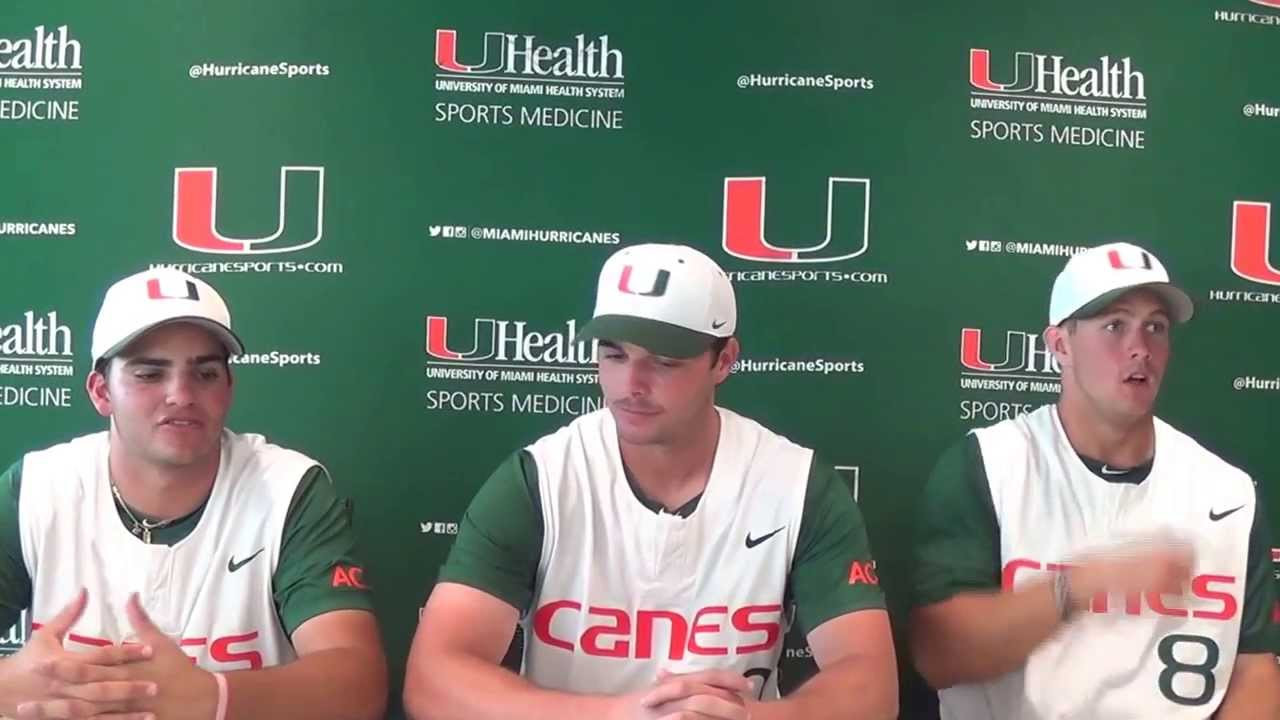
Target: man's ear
x=1057 y=340
x=725 y=360
x=95 y=386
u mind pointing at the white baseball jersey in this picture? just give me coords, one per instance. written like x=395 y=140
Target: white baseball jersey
x=622 y=591
x=1143 y=656
x=208 y=591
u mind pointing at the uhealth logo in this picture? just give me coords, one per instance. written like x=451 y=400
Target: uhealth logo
x=1251 y=239
x=1045 y=74
x=47 y=51
x=510 y=341
x=300 y=221
x=848 y=222
x=523 y=56
x=1024 y=352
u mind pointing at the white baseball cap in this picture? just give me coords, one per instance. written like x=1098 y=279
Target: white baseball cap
x=671 y=300
x=1094 y=278
x=156 y=297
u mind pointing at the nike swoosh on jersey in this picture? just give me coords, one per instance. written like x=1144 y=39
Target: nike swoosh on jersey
x=1108 y=471
x=752 y=542
x=1215 y=517
x=233 y=566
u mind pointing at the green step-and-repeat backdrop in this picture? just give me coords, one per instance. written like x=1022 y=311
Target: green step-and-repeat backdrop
x=406 y=204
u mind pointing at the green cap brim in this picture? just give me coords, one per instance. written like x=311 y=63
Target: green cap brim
x=657 y=337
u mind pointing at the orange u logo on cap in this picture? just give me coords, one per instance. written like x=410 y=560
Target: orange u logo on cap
x=1118 y=262
x=659 y=283
x=155 y=292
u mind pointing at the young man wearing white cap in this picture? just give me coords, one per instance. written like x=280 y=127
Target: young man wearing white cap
x=651 y=549
x=1087 y=560
x=174 y=569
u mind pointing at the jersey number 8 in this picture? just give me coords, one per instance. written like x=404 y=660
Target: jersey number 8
x=1174 y=667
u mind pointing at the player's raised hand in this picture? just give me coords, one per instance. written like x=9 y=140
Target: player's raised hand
x=1157 y=564
x=704 y=695
x=44 y=680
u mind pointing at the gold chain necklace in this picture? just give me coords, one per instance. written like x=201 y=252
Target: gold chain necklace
x=141 y=528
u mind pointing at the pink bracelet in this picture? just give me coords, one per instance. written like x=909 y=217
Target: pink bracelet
x=221 y=713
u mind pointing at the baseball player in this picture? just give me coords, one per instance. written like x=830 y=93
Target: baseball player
x=1088 y=560
x=172 y=568
x=651 y=550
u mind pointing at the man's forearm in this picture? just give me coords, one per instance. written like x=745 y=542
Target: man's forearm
x=855 y=688
x=456 y=686
x=1254 y=691
x=977 y=636
x=330 y=684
